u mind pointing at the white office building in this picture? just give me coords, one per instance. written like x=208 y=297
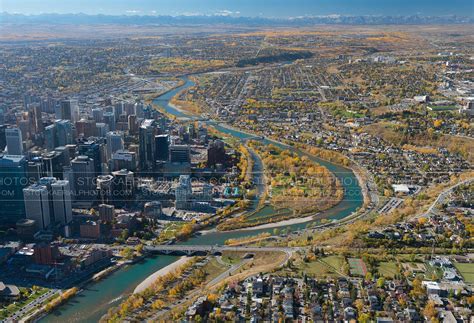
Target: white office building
x=37 y=205
x=48 y=201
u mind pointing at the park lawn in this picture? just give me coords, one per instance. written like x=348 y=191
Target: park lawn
x=466 y=270
x=315 y=268
x=213 y=269
x=443 y=107
x=327 y=267
x=409 y=258
x=278 y=190
x=337 y=262
x=433 y=273
x=232 y=257
x=231 y=260
x=388 y=269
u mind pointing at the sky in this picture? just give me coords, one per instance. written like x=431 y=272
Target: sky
x=247 y=8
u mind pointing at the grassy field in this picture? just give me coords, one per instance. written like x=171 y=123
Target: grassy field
x=213 y=269
x=316 y=268
x=388 y=269
x=330 y=266
x=337 y=262
x=262 y=262
x=432 y=272
x=231 y=259
x=466 y=270
x=442 y=107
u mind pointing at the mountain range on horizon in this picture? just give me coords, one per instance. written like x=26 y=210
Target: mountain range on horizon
x=81 y=18
x=243 y=8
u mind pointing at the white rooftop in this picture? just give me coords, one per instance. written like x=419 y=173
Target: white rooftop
x=400 y=188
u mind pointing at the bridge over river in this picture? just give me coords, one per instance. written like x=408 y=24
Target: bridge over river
x=95 y=301
x=190 y=250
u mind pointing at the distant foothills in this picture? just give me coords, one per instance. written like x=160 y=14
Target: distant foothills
x=80 y=18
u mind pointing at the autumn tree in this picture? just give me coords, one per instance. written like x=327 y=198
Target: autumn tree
x=430 y=310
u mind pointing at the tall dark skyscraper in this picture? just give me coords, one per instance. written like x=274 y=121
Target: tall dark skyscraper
x=64 y=133
x=118 y=109
x=132 y=124
x=162 y=147
x=109 y=119
x=50 y=141
x=92 y=149
x=35 y=169
x=216 y=153
x=58 y=134
x=68 y=110
x=12 y=181
x=53 y=163
x=97 y=114
x=36 y=119
x=86 y=128
x=147 y=133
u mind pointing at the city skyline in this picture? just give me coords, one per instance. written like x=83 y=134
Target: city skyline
x=236 y=161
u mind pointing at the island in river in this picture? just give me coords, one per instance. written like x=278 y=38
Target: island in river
x=97 y=298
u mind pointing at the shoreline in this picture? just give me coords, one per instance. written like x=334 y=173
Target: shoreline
x=264 y=226
x=356 y=169
x=188 y=115
x=229 y=127
x=148 y=281
x=161 y=272
x=272 y=225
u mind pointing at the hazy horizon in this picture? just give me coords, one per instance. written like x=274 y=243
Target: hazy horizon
x=244 y=8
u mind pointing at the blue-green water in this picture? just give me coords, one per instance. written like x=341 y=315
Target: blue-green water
x=351 y=201
x=96 y=299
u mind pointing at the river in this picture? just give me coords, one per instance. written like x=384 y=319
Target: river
x=95 y=300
